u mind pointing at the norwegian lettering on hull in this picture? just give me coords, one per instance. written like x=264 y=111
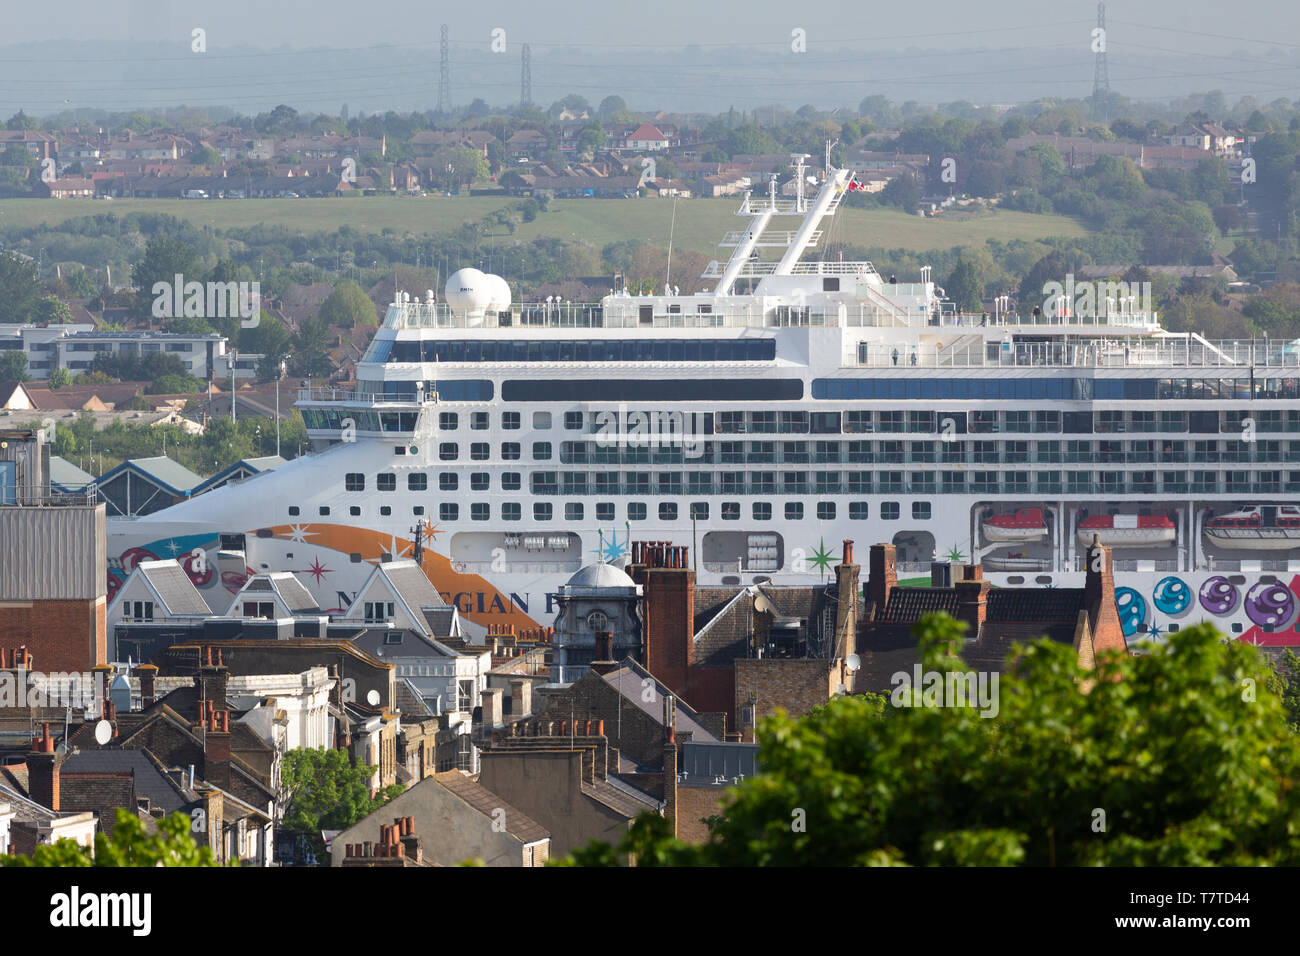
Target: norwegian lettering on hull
x=344 y=599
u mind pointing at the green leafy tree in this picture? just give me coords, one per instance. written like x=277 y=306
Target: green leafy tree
x=130 y=845
x=325 y=791
x=311 y=343
x=611 y=104
x=20 y=289
x=963 y=287
x=163 y=260
x=13 y=366
x=59 y=377
x=1181 y=755
x=348 y=305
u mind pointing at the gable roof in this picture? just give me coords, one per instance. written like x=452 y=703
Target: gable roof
x=173 y=587
x=628 y=680
x=517 y=824
x=149 y=780
x=647 y=131
x=171 y=475
x=65 y=476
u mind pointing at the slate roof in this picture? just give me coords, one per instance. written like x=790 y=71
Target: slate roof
x=439 y=619
x=907 y=605
x=409 y=702
x=1035 y=604
x=517 y=824
x=149 y=780
x=627 y=680
x=171 y=475
x=413 y=585
x=174 y=587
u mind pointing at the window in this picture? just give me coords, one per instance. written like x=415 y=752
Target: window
x=478 y=421
x=541 y=511
x=794 y=511
x=825 y=510
x=509 y=419
x=354 y=481
x=480 y=511
x=541 y=420
x=667 y=511
x=141 y=610
x=921 y=510
x=355 y=511
x=448 y=421
x=377 y=612
x=573 y=421
x=417 y=481
x=511 y=481
x=465 y=695
x=700 y=510
x=510 y=451
x=262 y=609
x=386 y=482
x=479 y=451
x=448 y=511
x=573 y=511
x=478 y=481
x=858 y=510
x=731 y=511
x=448 y=451
x=293 y=511
x=511 y=511
x=385 y=510
x=762 y=510
x=604 y=511
x=541 y=451
x=889 y=510
x=448 y=481
x=636 y=511
x=324 y=511
x=418 y=510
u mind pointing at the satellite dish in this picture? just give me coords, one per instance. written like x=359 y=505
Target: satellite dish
x=853 y=662
x=372 y=698
x=763 y=603
x=103 y=733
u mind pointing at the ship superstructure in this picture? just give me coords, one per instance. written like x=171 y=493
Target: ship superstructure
x=799 y=403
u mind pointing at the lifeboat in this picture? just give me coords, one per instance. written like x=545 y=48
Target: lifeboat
x=1024 y=524
x=1014 y=562
x=1256 y=528
x=1127 y=531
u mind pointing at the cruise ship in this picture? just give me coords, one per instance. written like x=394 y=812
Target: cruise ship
x=799 y=403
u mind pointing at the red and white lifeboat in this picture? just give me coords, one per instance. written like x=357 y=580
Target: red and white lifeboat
x=1024 y=524
x=1256 y=528
x=1127 y=531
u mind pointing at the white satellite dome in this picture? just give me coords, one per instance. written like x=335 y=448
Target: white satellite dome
x=468 y=291
x=500 y=291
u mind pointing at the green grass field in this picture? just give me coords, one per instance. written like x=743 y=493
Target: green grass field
x=700 y=223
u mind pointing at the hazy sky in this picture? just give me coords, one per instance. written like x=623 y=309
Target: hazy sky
x=317 y=54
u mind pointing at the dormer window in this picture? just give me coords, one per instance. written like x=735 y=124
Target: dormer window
x=378 y=612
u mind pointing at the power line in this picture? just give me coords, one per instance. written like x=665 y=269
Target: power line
x=526 y=77
x=444 y=75
x=1101 y=70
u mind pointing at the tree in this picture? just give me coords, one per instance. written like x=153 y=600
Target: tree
x=325 y=791
x=310 y=355
x=749 y=140
x=130 y=845
x=1178 y=756
x=20 y=290
x=963 y=287
x=204 y=156
x=269 y=339
x=13 y=366
x=348 y=305
x=59 y=377
x=163 y=260
x=903 y=190
x=609 y=105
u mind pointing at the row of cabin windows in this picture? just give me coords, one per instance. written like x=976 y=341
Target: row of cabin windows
x=478 y=421
x=669 y=511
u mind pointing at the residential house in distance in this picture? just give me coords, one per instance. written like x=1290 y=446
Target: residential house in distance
x=67 y=187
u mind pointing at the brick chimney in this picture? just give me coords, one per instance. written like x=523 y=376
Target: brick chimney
x=148 y=684
x=972 y=599
x=604 y=661
x=411 y=844
x=521 y=697
x=492 y=708
x=882 y=574
x=43 y=771
x=1099 y=599
x=669 y=611
x=212 y=677
x=216 y=748
x=670 y=760
x=846 y=608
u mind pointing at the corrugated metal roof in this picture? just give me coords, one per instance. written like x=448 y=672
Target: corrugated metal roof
x=57 y=553
x=174 y=476
x=68 y=476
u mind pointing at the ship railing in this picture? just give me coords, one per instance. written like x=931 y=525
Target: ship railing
x=27 y=496
x=521 y=567
x=315 y=394
x=1088 y=353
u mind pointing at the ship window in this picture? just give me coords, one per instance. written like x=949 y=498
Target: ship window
x=794 y=511
x=478 y=421
x=354 y=558
x=480 y=511
x=830 y=284
x=324 y=511
x=448 y=481
x=921 y=510
x=541 y=420
x=448 y=451
x=730 y=510
x=448 y=421
x=573 y=511
x=825 y=510
x=417 y=481
x=509 y=419
x=386 y=482
x=511 y=481
x=636 y=511
x=478 y=481
x=448 y=511
x=354 y=481
x=385 y=510
x=354 y=511
x=762 y=510
x=479 y=451
x=418 y=510
x=510 y=451
x=573 y=421
x=293 y=511
x=511 y=511
x=604 y=511
x=700 y=510
x=889 y=510
x=541 y=511
x=667 y=511
x=858 y=510
x=541 y=451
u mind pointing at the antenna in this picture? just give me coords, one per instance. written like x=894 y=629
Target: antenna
x=526 y=76
x=1101 y=70
x=444 y=75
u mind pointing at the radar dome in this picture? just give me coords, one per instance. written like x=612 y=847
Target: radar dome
x=468 y=291
x=500 y=291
